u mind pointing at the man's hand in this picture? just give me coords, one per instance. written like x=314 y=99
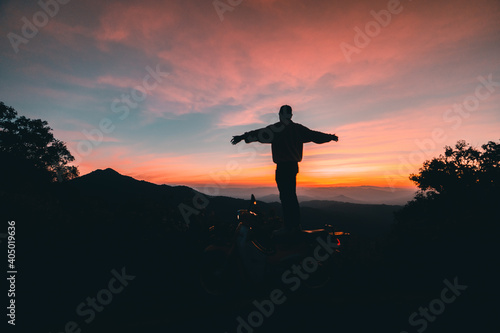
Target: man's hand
x=335 y=138
x=236 y=139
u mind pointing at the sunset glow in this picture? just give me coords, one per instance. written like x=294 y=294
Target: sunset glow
x=156 y=89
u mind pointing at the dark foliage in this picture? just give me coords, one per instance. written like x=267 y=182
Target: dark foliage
x=464 y=170
x=29 y=144
x=458 y=190
x=451 y=226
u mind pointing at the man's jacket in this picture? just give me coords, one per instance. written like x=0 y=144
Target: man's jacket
x=286 y=140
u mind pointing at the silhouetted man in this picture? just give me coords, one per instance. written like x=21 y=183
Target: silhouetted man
x=286 y=139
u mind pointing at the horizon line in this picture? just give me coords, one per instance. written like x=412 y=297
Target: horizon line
x=246 y=185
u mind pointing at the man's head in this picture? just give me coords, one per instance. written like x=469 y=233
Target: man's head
x=285 y=113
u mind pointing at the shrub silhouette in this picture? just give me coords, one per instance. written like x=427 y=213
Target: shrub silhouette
x=449 y=227
x=30 y=150
x=456 y=189
x=461 y=170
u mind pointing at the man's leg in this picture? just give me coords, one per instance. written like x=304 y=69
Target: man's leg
x=286 y=179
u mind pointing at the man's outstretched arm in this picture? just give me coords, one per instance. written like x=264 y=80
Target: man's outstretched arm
x=317 y=137
x=259 y=135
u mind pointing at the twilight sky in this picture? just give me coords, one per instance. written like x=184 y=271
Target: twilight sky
x=156 y=89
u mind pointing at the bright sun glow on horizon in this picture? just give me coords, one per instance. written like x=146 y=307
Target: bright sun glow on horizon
x=155 y=90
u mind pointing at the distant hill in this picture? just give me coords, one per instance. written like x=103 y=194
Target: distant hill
x=276 y=198
x=303 y=198
x=361 y=194
x=343 y=198
x=354 y=194
x=116 y=187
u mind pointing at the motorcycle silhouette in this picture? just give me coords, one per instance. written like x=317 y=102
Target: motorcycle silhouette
x=248 y=254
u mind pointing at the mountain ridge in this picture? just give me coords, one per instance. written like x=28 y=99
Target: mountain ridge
x=110 y=186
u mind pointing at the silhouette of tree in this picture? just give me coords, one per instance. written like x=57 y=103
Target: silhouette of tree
x=463 y=169
x=459 y=192
x=451 y=225
x=31 y=142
